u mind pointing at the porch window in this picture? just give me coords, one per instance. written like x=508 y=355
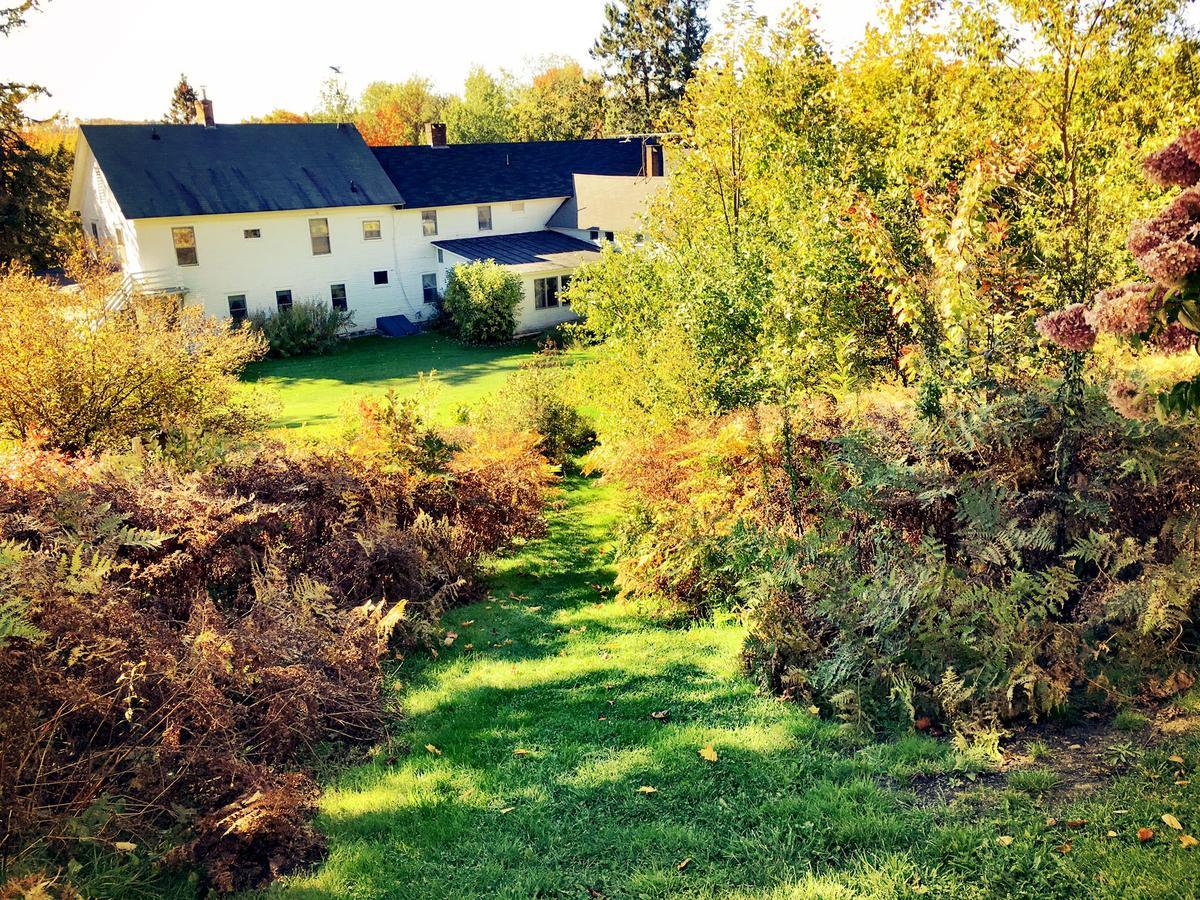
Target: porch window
x=185 y=246
x=429 y=222
x=429 y=287
x=237 y=307
x=484 y=215
x=318 y=233
x=283 y=300
x=545 y=293
x=372 y=230
x=337 y=296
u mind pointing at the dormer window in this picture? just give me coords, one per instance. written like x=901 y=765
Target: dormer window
x=484 y=215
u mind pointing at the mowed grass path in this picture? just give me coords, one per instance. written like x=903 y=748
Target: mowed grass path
x=540 y=716
x=313 y=390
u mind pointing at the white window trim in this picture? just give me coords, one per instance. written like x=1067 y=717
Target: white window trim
x=436 y=223
x=237 y=293
x=362 y=230
x=386 y=284
x=174 y=254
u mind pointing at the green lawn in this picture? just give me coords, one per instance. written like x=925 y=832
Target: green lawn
x=541 y=716
x=312 y=390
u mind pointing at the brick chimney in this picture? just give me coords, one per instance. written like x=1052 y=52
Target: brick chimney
x=435 y=134
x=204 y=113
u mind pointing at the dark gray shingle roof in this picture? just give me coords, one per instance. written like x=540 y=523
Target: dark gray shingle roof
x=461 y=174
x=517 y=249
x=192 y=170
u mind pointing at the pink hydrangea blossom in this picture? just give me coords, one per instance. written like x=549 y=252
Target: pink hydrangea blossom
x=1068 y=328
x=1129 y=400
x=1175 y=338
x=1123 y=310
x=1173 y=166
x=1166 y=246
x=1170 y=263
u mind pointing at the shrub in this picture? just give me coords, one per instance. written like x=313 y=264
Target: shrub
x=79 y=374
x=536 y=398
x=310 y=326
x=481 y=302
x=895 y=569
x=183 y=638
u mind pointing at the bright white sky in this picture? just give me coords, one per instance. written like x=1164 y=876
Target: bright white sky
x=121 y=58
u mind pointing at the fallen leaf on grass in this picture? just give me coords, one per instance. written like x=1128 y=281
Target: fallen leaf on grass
x=1051 y=821
x=646 y=789
x=683 y=865
x=434 y=750
x=507 y=810
x=532 y=608
x=1178 y=760
x=1171 y=822
x=1076 y=823
x=468 y=623
x=1064 y=849
x=451 y=637
x=1188 y=841
x=1005 y=840
x=1145 y=834
x=815 y=710
x=124 y=846
x=521 y=751
x=661 y=715
x=709 y=753
x=1184 y=782
x=1112 y=834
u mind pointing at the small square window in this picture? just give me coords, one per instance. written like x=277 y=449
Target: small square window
x=429 y=287
x=594 y=234
x=237 y=307
x=372 y=231
x=381 y=277
x=609 y=236
x=484 y=215
x=318 y=232
x=185 y=246
x=429 y=222
x=337 y=296
x=283 y=300
x=251 y=233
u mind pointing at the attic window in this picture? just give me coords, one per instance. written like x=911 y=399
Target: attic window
x=250 y=233
x=429 y=222
x=594 y=234
x=318 y=232
x=372 y=230
x=484 y=215
x=185 y=246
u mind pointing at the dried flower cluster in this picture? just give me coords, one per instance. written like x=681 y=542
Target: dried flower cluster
x=1177 y=164
x=1175 y=338
x=1068 y=328
x=1129 y=400
x=1123 y=310
x=1165 y=246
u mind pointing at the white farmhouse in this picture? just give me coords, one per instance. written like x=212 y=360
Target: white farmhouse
x=241 y=218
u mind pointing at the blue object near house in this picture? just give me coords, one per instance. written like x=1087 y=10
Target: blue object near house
x=397 y=326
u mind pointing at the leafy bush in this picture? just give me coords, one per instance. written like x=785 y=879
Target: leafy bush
x=310 y=326
x=481 y=302
x=184 y=637
x=895 y=569
x=79 y=374
x=536 y=398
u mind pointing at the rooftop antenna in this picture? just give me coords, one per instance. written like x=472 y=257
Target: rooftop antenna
x=340 y=99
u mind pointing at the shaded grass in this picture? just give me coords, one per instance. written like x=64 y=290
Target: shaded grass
x=313 y=390
x=793 y=807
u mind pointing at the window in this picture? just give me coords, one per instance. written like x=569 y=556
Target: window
x=545 y=293
x=440 y=257
x=563 y=281
x=429 y=222
x=237 y=307
x=283 y=300
x=337 y=296
x=519 y=206
x=185 y=246
x=429 y=287
x=484 y=214
x=318 y=232
x=594 y=234
x=251 y=233
x=609 y=236
x=381 y=277
x=372 y=230
x=95 y=233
